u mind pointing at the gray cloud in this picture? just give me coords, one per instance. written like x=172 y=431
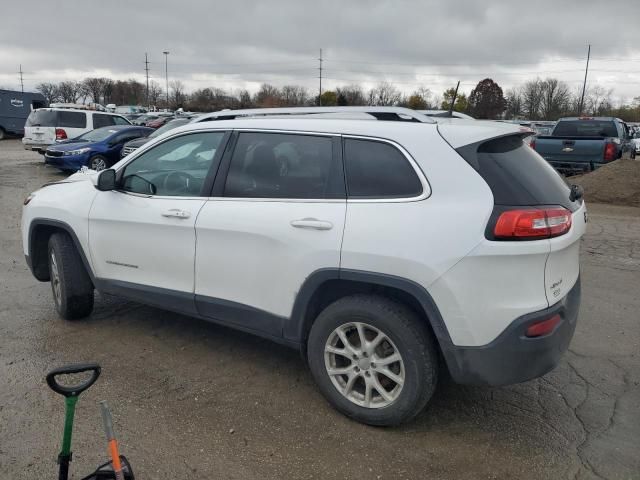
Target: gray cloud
x=244 y=42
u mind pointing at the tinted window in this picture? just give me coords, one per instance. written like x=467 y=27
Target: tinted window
x=274 y=165
x=101 y=120
x=119 y=120
x=72 y=119
x=378 y=170
x=42 y=118
x=585 y=128
x=98 y=135
x=516 y=174
x=177 y=167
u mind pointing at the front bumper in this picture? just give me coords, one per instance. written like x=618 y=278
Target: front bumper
x=67 y=162
x=513 y=357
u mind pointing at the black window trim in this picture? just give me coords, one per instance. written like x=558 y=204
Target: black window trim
x=218 y=188
x=211 y=174
x=426 y=186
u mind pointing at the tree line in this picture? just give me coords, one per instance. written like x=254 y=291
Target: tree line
x=539 y=99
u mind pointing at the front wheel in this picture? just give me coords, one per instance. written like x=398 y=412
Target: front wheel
x=98 y=163
x=70 y=283
x=373 y=359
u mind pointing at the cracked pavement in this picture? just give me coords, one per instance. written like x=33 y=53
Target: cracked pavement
x=195 y=400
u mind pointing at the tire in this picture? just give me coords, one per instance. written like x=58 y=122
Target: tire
x=2 y=133
x=98 y=163
x=70 y=283
x=405 y=334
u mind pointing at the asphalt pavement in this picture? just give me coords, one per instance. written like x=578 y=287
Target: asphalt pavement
x=195 y=400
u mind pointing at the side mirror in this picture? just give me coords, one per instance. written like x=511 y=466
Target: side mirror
x=106 y=180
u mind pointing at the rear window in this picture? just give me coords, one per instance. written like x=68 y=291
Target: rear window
x=516 y=174
x=42 y=118
x=102 y=120
x=378 y=170
x=72 y=119
x=585 y=128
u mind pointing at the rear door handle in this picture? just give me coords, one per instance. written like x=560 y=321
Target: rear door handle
x=312 y=223
x=176 y=213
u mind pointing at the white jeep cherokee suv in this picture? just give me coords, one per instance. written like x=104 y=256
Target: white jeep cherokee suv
x=386 y=251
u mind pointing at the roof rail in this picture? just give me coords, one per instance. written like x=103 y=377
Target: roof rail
x=378 y=113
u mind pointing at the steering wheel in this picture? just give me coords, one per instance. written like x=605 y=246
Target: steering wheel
x=177 y=182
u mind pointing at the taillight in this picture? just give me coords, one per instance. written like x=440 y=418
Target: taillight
x=532 y=224
x=610 y=152
x=61 y=134
x=532 y=143
x=544 y=327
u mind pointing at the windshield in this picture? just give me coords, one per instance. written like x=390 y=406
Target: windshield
x=97 y=135
x=585 y=128
x=169 y=126
x=42 y=118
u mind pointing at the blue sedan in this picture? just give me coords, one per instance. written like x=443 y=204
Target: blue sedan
x=97 y=149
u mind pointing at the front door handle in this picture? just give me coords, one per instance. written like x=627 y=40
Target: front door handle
x=176 y=213
x=312 y=223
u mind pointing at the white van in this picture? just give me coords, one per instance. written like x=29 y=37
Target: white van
x=46 y=126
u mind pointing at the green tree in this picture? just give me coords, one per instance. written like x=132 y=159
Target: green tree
x=461 y=104
x=329 y=98
x=487 y=100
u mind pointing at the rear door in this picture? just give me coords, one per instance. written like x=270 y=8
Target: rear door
x=40 y=127
x=276 y=216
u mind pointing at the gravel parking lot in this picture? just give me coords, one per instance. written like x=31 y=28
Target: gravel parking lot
x=194 y=400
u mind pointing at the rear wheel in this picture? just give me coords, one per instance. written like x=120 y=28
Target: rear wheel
x=373 y=359
x=71 y=285
x=2 y=133
x=98 y=163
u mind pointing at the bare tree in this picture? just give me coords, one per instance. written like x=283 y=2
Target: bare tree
x=155 y=92
x=294 y=95
x=267 y=96
x=352 y=95
x=597 y=100
x=384 y=94
x=532 y=93
x=244 y=99
x=514 y=103
x=49 y=91
x=70 y=91
x=556 y=99
x=178 y=95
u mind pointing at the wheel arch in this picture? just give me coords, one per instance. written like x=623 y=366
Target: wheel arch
x=328 y=285
x=40 y=230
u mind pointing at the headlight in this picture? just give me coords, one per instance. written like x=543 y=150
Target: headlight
x=80 y=151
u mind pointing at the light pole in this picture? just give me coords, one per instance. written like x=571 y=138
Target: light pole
x=166 y=74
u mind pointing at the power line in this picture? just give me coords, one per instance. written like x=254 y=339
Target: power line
x=320 y=69
x=146 y=69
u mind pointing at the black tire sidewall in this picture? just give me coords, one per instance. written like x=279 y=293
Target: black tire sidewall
x=416 y=349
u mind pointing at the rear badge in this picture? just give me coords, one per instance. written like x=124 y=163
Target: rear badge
x=567 y=149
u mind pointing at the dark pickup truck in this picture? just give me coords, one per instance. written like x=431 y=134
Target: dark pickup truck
x=582 y=144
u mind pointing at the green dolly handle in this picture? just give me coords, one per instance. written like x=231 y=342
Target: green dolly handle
x=71 y=393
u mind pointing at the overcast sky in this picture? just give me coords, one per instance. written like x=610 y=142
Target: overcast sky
x=240 y=43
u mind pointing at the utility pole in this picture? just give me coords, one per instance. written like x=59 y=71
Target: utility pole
x=166 y=74
x=21 y=79
x=320 y=95
x=584 y=85
x=146 y=69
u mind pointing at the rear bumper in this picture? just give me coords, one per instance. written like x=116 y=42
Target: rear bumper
x=513 y=357
x=573 y=168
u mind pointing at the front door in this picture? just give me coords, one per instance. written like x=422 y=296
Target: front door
x=142 y=236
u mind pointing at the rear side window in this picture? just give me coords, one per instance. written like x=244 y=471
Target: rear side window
x=72 y=119
x=378 y=170
x=516 y=174
x=102 y=120
x=119 y=120
x=42 y=118
x=275 y=165
x=585 y=128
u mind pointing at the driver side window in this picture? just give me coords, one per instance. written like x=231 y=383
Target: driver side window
x=177 y=167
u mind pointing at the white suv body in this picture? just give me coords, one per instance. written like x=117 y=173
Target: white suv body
x=337 y=237
x=46 y=126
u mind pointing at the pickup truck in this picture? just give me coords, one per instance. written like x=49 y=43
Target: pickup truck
x=582 y=144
